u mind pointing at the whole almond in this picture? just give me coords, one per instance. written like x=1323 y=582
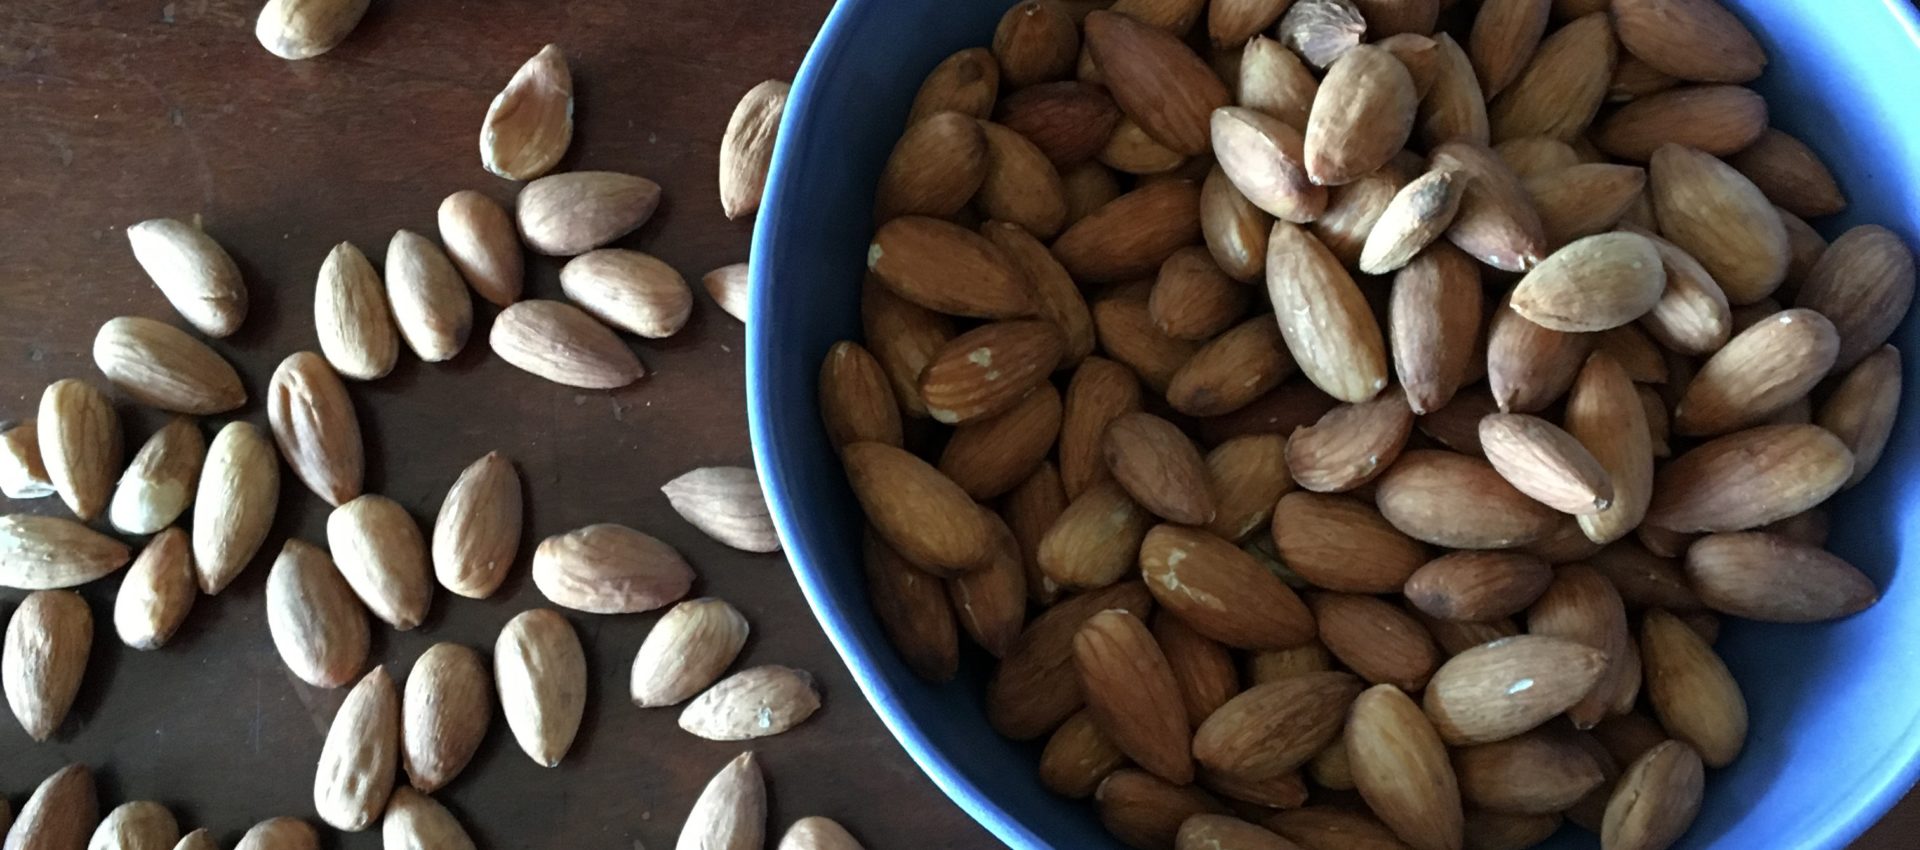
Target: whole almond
x=934 y=167
x=201 y=839
x=1099 y=392
x=989 y=369
x=355 y=776
x=1416 y=51
x=1341 y=543
x=1353 y=209
x=1433 y=317
x=726 y=503
x=1273 y=728
x=1496 y=223
x=1265 y=160
x=1692 y=40
x=610 y=569
x=1457 y=425
x=1766 y=367
x=23 y=475
x=1716 y=214
x=746 y=151
x=1159 y=467
x=1645 y=580
x=1582 y=605
x=1203 y=668
x=1546 y=463
x=1749 y=478
x=1719 y=120
x=444 y=714
x=1593 y=284
x=480 y=240
x=1056 y=297
x=159 y=483
x=477 y=532
x=161 y=366
x=1132 y=694
x=137 y=825
x=1192 y=298
x=1375 y=639
x=1021 y=185
x=1220 y=591
x=1455 y=107
x=1790 y=174
x=1533 y=157
x=1034 y=688
x=691 y=645
x=1633 y=78
x=945 y=267
x=239 y=492
x=192 y=270
x=1603 y=414
x=1530 y=366
x=1505 y=35
x=1586 y=198
x=628 y=290
x=60 y=814
x=918 y=510
x=529 y=124
x=430 y=302
x=1089 y=187
x=1323 y=316
x=1322 y=30
x=79 y=444
x=987 y=457
x=1234 y=227
x=303 y=29
x=1247 y=475
x=913 y=611
x=1864 y=282
x=1418 y=214
x=1861 y=409
x=753 y=703
x=45 y=552
x=318 y=625
x=856 y=403
x=1131 y=235
x=1695 y=697
x=566 y=214
x=731 y=812
x=1500 y=689
x=1095 y=540
x=1565 y=544
x=1077 y=757
x=157 y=593
x=1478 y=585
x=1232 y=370
x=1232 y=22
x=1351 y=444
x=1156 y=79
x=730 y=286
x=1563 y=85
x=1035 y=42
x=1275 y=81
x=48 y=640
x=1457 y=636
x=378 y=549
x=1771 y=578
x=1400 y=768
x=1029 y=510
x=1540 y=772
x=280 y=833
x=1362 y=116
x=414 y=821
x=351 y=316
x=1692 y=316
x=314 y=423
x=968 y=82
x=561 y=343
x=1422 y=496
x=540 y=673
x=817 y=833
x=1655 y=800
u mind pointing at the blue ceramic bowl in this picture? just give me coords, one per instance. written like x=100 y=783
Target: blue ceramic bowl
x=1835 y=708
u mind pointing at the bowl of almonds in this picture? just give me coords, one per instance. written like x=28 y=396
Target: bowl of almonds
x=1321 y=424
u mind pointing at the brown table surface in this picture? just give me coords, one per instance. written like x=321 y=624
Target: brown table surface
x=114 y=112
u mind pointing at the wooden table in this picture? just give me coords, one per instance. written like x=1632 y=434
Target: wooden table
x=114 y=112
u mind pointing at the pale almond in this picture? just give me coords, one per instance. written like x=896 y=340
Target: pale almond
x=162 y=366
x=313 y=422
x=540 y=673
x=444 y=713
x=45 y=552
x=429 y=300
x=731 y=812
x=79 y=444
x=23 y=475
x=529 y=124
x=352 y=318
x=193 y=271
x=238 y=495
x=610 y=569
x=318 y=625
x=379 y=551
x=477 y=532
x=561 y=343
x=357 y=762
x=566 y=214
x=303 y=29
x=691 y=645
x=628 y=290
x=753 y=703
x=480 y=240
x=414 y=821
x=746 y=150
x=159 y=483
x=157 y=593
x=48 y=640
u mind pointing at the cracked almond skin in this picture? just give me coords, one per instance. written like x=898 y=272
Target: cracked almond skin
x=162 y=366
x=318 y=626
x=160 y=481
x=477 y=532
x=610 y=569
x=529 y=124
x=313 y=421
x=540 y=675
x=563 y=344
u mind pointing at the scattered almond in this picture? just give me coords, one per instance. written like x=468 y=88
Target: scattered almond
x=746 y=151
x=318 y=625
x=303 y=29
x=355 y=776
x=731 y=812
x=1500 y=689
x=79 y=444
x=429 y=301
x=352 y=317
x=444 y=714
x=753 y=703
x=561 y=343
x=377 y=546
x=477 y=532
x=414 y=821
x=610 y=569
x=691 y=645
x=628 y=290
x=159 y=483
x=566 y=214
x=45 y=552
x=529 y=124
x=192 y=270
x=137 y=825
x=161 y=366
x=154 y=598
x=239 y=493
x=48 y=640
x=540 y=673
x=480 y=240
x=314 y=423
x=729 y=286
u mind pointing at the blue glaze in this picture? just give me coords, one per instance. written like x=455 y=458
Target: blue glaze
x=1835 y=708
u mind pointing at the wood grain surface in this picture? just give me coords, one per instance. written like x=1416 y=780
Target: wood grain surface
x=114 y=112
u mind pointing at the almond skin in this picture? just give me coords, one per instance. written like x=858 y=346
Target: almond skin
x=1231 y=371
x=1717 y=215
x=753 y=703
x=22 y=473
x=60 y=814
x=1478 y=585
x=1375 y=639
x=1193 y=298
x=1099 y=392
x=1500 y=689
x=1273 y=728
x=1864 y=282
x=377 y=546
x=991 y=603
x=529 y=124
x=1143 y=810
x=1749 y=478
x=1035 y=42
x=691 y=645
x=1400 y=768
x=610 y=569
x=1033 y=689
x=318 y=625
x=1505 y=35
x=968 y=82
x=1421 y=496
x=1275 y=81
x=1540 y=772
x=1341 y=543
x=746 y=151
x=1693 y=40
x=430 y=303
x=351 y=316
x=1592 y=284
x=990 y=369
x=355 y=775
x=1582 y=605
x=157 y=593
x=726 y=503
x=1265 y=160
x=562 y=215
x=1433 y=319
x=1131 y=235
x=1774 y=363
x=480 y=241
x=1029 y=511
x=193 y=271
x=1156 y=79
x=1363 y=115
x=477 y=531
x=934 y=169
x=1455 y=107
x=48 y=640
x=1021 y=184
x=628 y=290
x=1655 y=800
x=561 y=343
x=1695 y=697
x=1124 y=324
x=1603 y=414
x=1545 y=463
x=1496 y=223
x=80 y=445
x=314 y=424
x=945 y=267
x=913 y=611
x=1220 y=591
x=1132 y=694
x=137 y=825
x=1204 y=668
x=47 y=552
x=1324 y=317
x=1416 y=216
x=731 y=812
x=1160 y=467
x=1529 y=366
x=856 y=403
x=1861 y=410
x=917 y=510
x=162 y=366
x=280 y=834
x=1692 y=316
x=1351 y=444
x=1771 y=578
x=444 y=714
x=235 y=504
x=540 y=673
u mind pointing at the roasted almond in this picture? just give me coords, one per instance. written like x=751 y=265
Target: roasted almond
x=1400 y=768
x=610 y=569
x=430 y=302
x=162 y=366
x=1496 y=223
x=1132 y=695
x=1749 y=478
x=1193 y=298
x=904 y=337
x=192 y=270
x=1455 y=107
x=1604 y=414
x=530 y=122
x=351 y=316
x=1265 y=160
x=1247 y=475
x=1160 y=467
x=628 y=290
x=948 y=268
x=1341 y=543
x=239 y=492
x=46 y=552
x=1500 y=689
x=1478 y=585
x=1156 y=79
x=934 y=169
x=1771 y=578
x=1458 y=501
x=1539 y=772
x=1021 y=185
x=355 y=775
x=1029 y=510
x=477 y=531
x=444 y=714
x=1329 y=828
x=913 y=611
x=48 y=640
x=1717 y=215
x=1033 y=689
x=481 y=243
x=1582 y=605
x=746 y=150
x=314 y=424
x=566 y=214
x=1375 y=639
x=1766 y=367
x=378 y=549
x=1056 y=297
x=157 y=593
x=292 y=29
x=1220 y=591
x=1546 y=463
x=991 y=602
x=1203 y=668
x=1095 y=540
x=752 y=703
x=1433 y=317
x=856 y=403
x=1656 y=799
x=79 y=444
x=1323 y=316
x=1131 y=235
x=1363 y=115
x=1145 y=811
x=1563 y=85
x=1235 y=229
x=917 y=510
x=540 y=673
x=989 y=369
x=318 y=625
x=1089 y=186
x=1692 y=40
x=563 y=344
x=1351 y=444
x=1864 y=282
x=1790 y=174
x=987 y=457
x=1861 y=409
x=1695 y=697
x=1586 y=198
x=1272 y=728
x=968 y=82
x=1232 y=370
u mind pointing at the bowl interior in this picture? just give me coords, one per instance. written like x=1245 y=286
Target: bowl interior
x=1835 y=708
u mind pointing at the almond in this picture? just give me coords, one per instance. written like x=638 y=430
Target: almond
x=1341 y=543
x=726 y=503
x=1145 y=811
x=239 y=493
x=1505 y=35
x=753 y=703
x=378 y=549
x=989 y=369
x=1400 y=768
x=1496 y=222
x=1362 y=116
x=1220 y=591
x=1159 y=467
x=444 y=714
x=1603 y=414
x=138 y=825
x=318 y=626
x=48 y=640
x=1321 y=31
x=610 y=569
x=1069 y=121
x=1478 y=585
x=1771 y=578
x=1749 y=478
x=904 y=338
x=303 y=29
x=1864 y=282
x=1861 y=409
x=1421 y=496
x=1418 y=214
x=1539 y=772
x=730 y=287
x=967 y=82
x=313 y=421
x=818 y=833
x=691 y=645
x=566 y=214
x=1719 y=120
x=1329 y=828
x=1497 y=690
x=1021 y=186
x=1232 y=22
x=1656 y=799
x=157 y=593
x=1247 y=476
x=1089 y=186
x=1565 y=544
x=1131 y=693
x=280 y=834
x=60 y=814
x=935 y=168
x=746 y=151
x=1272 y=665
x=201 y=839
x=1029 y=510
x=1695 y=697
x=23 y=475
x=351 y=315
x=1033 y=689
x=480 y=240
x=913 y=611
x=1035 y=42
x=162 y=366
x=1192 y=298
x=1581 y=605
x=1354 y=209
x=947 y=268
x=430 y=303
x=540 y=673
x=1457 y=425
x=355 y=776
x=1273 y=728
x=1351 y=444
x=1593 y=284
x=159 y=483
x=1056 y=297
x=1211 y=830
x=1692 y=316
x=1375 y=639
x=1420 y=55
x=991 y=602
x=1585 y=198
x=731 y=812
x=1692 y=40
x=1232 y=371
x=917 y=510
x=530 y=122
x=1434 y=318
x=1764 y=368
x=191 y=270
x=1457 y=636
x=1633 y=78
x=1235 y=229
x=1717 y=215
x=45 y=552
x=1265 y=160
x=1537 y=156
x=1203 y=668
x=1545 y=463
x=1095 y=540
x=1324 y=317
x=1273 y=80
x=1528 y=366
x=561 y=343
x=856 y=404
x=413 y=819
x=1643 y=579
x=1132 y=234
x=1156 y=79
x=1455 y=107
x=477 y=532
x=628 y=290
x=1562 y=87
x=79 y=444
x=1790 y=174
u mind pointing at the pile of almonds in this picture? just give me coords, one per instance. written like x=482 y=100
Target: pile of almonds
x=1428 y=545
x=377 y=559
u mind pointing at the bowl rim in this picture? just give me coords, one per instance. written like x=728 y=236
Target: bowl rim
x=822 y=57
